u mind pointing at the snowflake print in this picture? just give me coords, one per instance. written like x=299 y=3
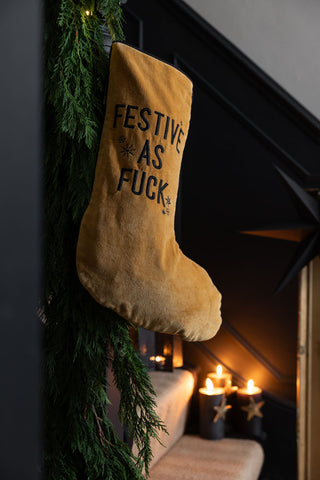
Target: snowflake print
x=127 y=150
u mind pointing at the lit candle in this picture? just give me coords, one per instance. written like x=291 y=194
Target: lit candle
x=249 y=403
x=251 y=390
x=210 y=389
x=212 y=410
x=221 y=379
x=158 y=359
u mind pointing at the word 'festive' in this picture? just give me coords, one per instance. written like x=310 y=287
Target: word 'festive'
x=132 y=116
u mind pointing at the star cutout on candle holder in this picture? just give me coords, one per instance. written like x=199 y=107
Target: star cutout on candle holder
x=221 y=410
x=306 y=231
x=253 y=409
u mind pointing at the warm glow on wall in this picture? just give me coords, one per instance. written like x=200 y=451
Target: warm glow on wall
x=167 y=349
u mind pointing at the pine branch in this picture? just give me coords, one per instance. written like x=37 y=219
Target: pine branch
x=79 y=334
x=137 y=399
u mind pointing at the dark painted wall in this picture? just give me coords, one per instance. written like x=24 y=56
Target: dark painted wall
x=20 y=140
x=242 y=125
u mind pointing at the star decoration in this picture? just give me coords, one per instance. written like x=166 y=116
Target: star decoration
x=306 y=232
x=253 y=409
x=221 y=410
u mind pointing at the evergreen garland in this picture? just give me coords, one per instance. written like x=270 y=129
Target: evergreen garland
x=81 y=338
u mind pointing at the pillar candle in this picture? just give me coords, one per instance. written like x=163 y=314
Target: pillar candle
x=209 y=398
x=249 y=415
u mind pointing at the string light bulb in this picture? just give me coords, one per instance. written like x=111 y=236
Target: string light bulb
x=88 y=13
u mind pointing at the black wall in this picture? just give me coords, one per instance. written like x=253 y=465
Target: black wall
x=20 y=150
x=242 y=125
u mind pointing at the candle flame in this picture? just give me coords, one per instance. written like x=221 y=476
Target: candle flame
x=250 y=386
x=157 y=359
x=219 y=370
x=209 y=385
